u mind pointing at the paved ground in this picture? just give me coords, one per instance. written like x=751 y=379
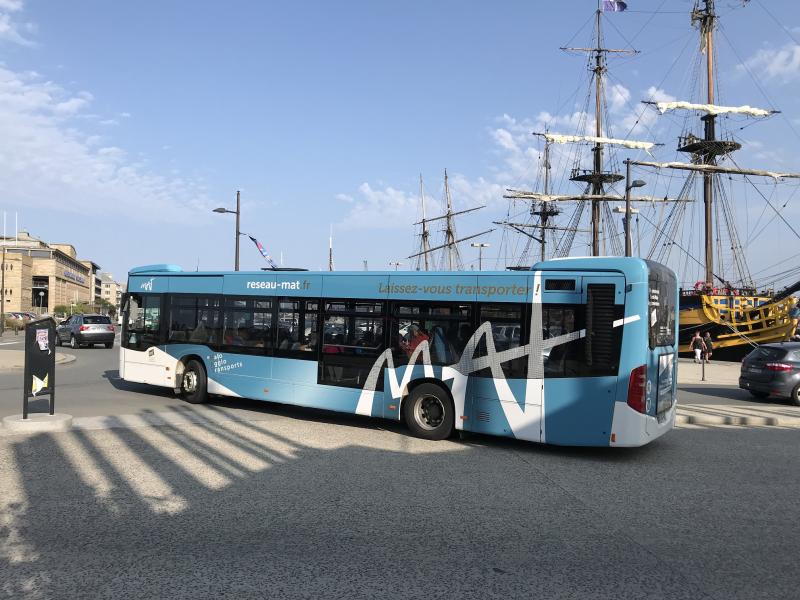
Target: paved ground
x=296 y=504
x=149 y=497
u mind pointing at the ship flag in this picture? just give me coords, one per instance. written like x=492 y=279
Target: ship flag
x=263 y=252
x=614 y=5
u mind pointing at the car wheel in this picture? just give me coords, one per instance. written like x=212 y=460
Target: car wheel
x=429 y=412
x=73 y=343
x=194 y=385
x=795 y=398
x=761 y=395
x=109 y=344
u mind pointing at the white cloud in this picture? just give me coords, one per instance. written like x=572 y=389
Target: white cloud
x=519 y=161
x=618 y=96
x=775 y=63
x=640 y=119
x=386 y=208
x=47 y=164
x=10 y=30
x=74 y=104
x=11 y=5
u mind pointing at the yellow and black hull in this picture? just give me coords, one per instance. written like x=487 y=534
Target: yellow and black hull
x=736 y=322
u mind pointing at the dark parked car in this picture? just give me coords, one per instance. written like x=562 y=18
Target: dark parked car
x=81 y=330
x=773 y=370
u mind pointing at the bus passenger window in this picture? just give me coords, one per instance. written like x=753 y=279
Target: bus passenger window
x=248 y=325
x=193 y=320
x=352 y=340
x=445 y=327
x=509 y=331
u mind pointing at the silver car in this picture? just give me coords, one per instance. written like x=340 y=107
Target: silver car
x=80 y=330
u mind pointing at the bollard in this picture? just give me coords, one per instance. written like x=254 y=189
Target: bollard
x=703 y=369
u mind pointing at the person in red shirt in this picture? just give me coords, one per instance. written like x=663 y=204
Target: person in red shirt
x=415 y=337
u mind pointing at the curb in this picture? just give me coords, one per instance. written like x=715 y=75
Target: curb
x=750 y=421
x=67 y=359
x=37 y=423
x=61 y=359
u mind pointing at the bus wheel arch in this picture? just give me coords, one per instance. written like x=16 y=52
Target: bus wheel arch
x=191 y=379
x=428 y=409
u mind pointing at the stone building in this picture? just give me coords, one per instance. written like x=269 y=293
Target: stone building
x=37 y=276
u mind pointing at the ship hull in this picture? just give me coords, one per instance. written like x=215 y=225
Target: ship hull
x=736 y=323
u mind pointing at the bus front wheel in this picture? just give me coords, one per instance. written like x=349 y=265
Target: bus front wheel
x=194 y=385
x=429 y=412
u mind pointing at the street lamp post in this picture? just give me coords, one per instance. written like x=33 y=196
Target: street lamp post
x=41 y=302
x=629 y=185
x=238 y=213
x=480 y=246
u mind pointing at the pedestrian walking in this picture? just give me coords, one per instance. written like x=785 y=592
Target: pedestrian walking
x=709 y=345
x=698 y=345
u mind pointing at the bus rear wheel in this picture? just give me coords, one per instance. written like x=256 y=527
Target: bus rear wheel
x=194 y=385
x=429 y=412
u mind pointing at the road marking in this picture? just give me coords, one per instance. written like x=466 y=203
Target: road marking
x=10 y=343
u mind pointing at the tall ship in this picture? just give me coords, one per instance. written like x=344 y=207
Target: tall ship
x=696 y=232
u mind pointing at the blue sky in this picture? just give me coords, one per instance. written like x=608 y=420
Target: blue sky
x=125 y=123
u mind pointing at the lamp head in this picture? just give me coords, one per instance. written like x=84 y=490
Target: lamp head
x=637 y=183
x=220 y=210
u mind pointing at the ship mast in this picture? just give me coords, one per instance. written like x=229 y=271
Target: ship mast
x=451 y=256
x=425 y=244
x=707 y=19
x=596 y=177
x=597 y=182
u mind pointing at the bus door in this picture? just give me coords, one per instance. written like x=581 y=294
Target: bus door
x=582 y=340
x=142 y=357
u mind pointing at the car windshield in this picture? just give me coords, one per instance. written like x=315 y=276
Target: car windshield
x=96 y=320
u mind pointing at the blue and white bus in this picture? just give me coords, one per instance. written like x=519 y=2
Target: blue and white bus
x=576 y=351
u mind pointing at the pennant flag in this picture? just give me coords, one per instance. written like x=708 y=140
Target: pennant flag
x=614 y=5
x=263 y=252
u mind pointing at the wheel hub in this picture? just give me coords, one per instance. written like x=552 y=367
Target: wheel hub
x=190 y=381
x=429 y=412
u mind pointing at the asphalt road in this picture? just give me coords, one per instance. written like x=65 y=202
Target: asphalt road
x=261 y=500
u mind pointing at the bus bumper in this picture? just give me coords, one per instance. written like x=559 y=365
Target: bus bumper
x=630 y=428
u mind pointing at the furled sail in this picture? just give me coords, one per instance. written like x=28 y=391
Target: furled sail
x=712 y=109
x=716 y=169
x=525 y=195
x=556 y=138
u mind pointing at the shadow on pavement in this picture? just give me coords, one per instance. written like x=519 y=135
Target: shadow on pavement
x=734 y=393
x=333 y=508
x=722 y=391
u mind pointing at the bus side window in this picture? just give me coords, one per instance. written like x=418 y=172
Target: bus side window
x=352 y=340
x=445 y=326
x=509 y=330
x=247 y=325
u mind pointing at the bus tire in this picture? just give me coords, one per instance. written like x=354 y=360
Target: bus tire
x=429 y=413
x=194 y=385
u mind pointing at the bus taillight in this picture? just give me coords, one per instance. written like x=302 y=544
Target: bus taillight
x=637 y=386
